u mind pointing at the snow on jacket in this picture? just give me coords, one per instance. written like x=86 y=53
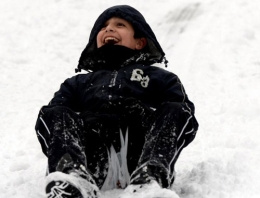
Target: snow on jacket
x=150 y=84
x=118 y=73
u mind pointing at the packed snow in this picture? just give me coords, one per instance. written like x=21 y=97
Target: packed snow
x=213 y=46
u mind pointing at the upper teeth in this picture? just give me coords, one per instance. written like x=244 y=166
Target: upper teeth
x=108 y=39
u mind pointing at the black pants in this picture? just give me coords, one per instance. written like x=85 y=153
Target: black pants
x=87 y=138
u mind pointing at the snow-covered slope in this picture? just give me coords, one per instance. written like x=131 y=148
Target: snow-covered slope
x=213 y=46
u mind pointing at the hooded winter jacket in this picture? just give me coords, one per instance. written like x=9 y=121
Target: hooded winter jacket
x=117 y=73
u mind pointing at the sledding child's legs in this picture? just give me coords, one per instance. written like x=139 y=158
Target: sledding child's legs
x=170 y=133
x=75 y=142
x=60 y=132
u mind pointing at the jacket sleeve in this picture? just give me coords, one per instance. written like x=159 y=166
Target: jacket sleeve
x=175 y=92
x=67 y=97
x=178 y=102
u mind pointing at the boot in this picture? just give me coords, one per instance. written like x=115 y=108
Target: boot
x=71 y=180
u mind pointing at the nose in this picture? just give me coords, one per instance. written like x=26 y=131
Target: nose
x=109 y=28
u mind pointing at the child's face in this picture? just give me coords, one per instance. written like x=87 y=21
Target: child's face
x=117 y=31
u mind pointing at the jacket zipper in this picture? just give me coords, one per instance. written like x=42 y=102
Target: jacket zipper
x=113 y=79
x=112 y=83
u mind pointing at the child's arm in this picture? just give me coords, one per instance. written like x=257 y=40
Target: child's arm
x=67 y=95
x=65 y=98
x=175 y=95
x=175 y=92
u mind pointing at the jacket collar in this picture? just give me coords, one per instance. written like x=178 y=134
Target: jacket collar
x=113 y=57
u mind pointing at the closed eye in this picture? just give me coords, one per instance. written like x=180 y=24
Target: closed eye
x=104 y=27
x=120 y=25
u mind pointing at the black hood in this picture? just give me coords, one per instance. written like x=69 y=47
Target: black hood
x=153 y=49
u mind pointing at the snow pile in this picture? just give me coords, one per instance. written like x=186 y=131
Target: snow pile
x=213 y=46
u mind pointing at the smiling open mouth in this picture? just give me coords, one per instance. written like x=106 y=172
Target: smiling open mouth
x=111 y=40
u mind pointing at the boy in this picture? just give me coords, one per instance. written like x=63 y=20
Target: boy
x=122 y=124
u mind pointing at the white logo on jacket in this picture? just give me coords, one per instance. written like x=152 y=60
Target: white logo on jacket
x=138 y=75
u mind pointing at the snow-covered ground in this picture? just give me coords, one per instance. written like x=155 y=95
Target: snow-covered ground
x=213 y=46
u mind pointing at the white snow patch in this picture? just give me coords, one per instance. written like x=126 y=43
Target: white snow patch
x=213 y=46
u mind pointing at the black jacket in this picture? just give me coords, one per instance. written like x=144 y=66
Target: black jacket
x=118 y=73
x=96 y=90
